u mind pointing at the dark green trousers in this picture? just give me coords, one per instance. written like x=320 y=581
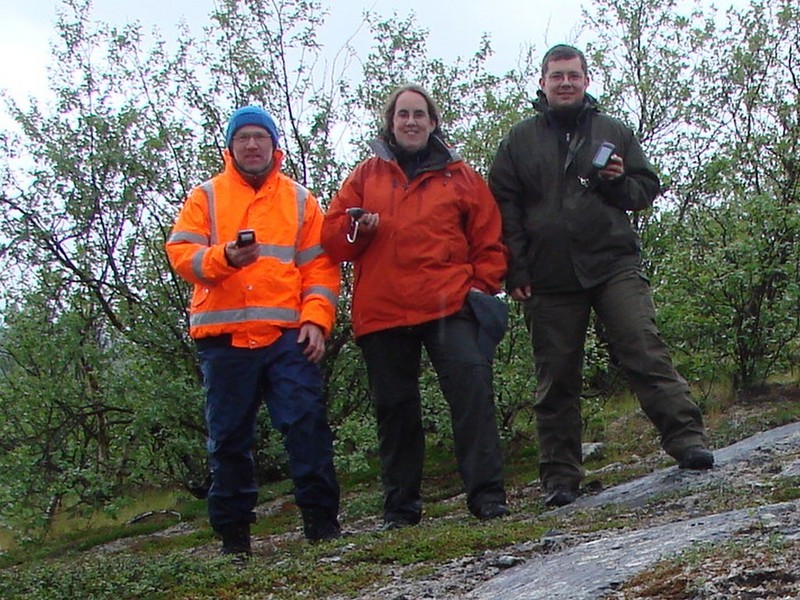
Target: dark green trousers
x=558 y=325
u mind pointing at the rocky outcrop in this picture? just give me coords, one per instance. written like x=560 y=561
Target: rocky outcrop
x=594 y=569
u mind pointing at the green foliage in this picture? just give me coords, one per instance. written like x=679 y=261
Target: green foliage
x=182 y=565
x=99 y=386
x=114 y=576
x=742 y=260
x=426 y=544
x=514 y=383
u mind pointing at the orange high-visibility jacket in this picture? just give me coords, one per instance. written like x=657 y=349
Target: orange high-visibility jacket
x=292 y=282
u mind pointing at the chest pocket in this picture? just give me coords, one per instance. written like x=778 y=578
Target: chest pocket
x=282 y=252
x=431 y=222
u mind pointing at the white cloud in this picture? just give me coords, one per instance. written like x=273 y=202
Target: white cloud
x=25 y=51
x=455 y=27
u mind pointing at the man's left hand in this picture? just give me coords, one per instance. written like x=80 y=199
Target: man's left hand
x=314 y=338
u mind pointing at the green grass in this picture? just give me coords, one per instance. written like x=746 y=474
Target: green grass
x=74 y=564
x=71 y=565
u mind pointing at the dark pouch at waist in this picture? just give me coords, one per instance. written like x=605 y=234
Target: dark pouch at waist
x=492 y=315
x=214 y=341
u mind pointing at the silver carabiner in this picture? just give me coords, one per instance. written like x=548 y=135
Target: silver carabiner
x=352 y=237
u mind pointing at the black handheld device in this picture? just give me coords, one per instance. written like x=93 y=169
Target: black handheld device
x=355 y=212
x=245 y=237
x=603 y=155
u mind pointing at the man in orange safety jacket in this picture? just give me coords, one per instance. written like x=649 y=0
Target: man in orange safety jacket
x=264 y=301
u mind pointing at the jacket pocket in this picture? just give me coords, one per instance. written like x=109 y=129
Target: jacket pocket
x=199 y=296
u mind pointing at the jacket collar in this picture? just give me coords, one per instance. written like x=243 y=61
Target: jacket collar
x=590 y=105
x=441 y=154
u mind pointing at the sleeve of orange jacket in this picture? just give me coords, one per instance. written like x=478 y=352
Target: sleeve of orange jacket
x=484 y=229
x=320 y=275
x=338 y=223
x=189 y=245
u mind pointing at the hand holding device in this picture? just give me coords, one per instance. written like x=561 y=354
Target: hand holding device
x=603 y=155
x=362 y=218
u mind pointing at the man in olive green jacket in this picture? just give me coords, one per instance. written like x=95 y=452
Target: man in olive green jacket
x=564 y=180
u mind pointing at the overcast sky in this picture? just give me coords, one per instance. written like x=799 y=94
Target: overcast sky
x=456 y=26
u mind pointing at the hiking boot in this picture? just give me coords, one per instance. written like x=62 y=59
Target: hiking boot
x=236 y=541
x=560 y=496
x=320 y=525
x=696 y=457
x=398 y=521
x=491 y=510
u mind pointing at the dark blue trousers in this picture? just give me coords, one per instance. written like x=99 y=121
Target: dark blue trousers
x=237 y=380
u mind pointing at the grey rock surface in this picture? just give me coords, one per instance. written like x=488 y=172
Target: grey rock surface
x=672 y=479
x=594 y=569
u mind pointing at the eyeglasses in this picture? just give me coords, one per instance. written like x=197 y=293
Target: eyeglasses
x=572 y=76
x=244 y=138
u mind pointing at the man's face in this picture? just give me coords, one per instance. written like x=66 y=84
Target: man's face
x=565 y=83
x=252 y=149
x=411 y=124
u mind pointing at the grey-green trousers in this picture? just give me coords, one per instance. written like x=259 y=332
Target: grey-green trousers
x=558 y=325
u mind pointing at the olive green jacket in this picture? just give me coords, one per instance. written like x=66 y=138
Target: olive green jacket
x=565 y=229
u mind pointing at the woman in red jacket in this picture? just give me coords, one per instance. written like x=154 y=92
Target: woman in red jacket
x=425 y=234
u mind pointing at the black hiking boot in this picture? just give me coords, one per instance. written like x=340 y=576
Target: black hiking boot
x=399 y=520
x=396 y=522
x=560 y=495
x=696 y=457
x=320 y=525
x=236 y=541
x=492 y=510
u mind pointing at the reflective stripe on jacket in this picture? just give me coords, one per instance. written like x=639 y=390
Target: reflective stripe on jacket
x=292 y=282
x=439 y=235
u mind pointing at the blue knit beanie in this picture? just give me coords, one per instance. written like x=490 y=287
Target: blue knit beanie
x=251 y=115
